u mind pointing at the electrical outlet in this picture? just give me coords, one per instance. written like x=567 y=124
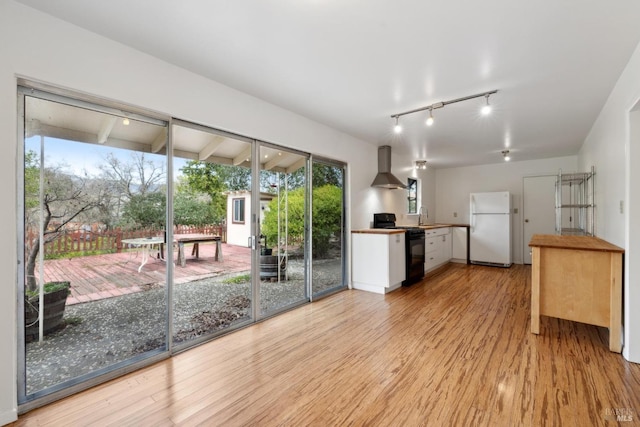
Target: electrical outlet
x=455 y=214
x=621 y=206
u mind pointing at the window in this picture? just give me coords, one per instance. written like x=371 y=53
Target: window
x=238 y=211
x=412 y=195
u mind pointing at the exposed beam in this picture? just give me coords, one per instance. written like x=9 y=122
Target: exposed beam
x=276 y=159
x=64 y=133
x=106 y=128
x=160 y=141
x=243 y=156
x=211 y=147
x=297 y=165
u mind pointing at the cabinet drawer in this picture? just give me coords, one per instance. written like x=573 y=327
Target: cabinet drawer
x=431 y=244
x=437 y=232
x=431 y=261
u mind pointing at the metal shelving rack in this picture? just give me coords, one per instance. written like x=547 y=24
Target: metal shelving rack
x=575 y=203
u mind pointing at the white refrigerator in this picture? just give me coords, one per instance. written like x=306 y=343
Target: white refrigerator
x=490 y=239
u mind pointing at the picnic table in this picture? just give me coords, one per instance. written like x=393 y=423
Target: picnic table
x=146 y=243
x=196 y=239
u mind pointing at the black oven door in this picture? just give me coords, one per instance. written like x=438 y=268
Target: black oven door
x=414 y=258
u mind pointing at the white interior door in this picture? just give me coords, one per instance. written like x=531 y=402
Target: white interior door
x=538 y=209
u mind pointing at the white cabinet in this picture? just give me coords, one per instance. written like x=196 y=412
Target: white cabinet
x=459 y=244
x=438 y=248
x=378 y=261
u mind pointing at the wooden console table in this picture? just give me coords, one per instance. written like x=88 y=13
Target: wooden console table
x=577 y=278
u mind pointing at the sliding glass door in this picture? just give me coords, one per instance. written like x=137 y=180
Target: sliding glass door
x=284 y=222
x=140 y=237
x=328 y=264
x=212 y=228
x=93 y=284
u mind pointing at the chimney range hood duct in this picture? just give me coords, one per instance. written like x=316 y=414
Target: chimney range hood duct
x=385 y=179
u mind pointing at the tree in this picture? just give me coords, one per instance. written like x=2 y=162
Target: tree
x=146 y=210
x=123 y=179
x=64 y=198
x=191 y=207
x=137 y=176
x=327 y=218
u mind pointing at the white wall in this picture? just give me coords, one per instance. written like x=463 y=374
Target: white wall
x=609 y=147
x=42 y=48
x=454 y=185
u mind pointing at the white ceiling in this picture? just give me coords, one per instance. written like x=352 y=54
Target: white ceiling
x=351 y=64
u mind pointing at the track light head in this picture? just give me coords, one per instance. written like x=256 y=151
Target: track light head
x=397 y=128
x=486 y=109
x=430 y=118
x=505 y=154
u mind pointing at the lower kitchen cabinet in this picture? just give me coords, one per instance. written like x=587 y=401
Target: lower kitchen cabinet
x=438 y=248
x=378 y=260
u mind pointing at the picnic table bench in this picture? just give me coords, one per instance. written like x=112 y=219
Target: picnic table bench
x=196 y=239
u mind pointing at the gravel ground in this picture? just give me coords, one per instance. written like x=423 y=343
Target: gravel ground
x=102 y=333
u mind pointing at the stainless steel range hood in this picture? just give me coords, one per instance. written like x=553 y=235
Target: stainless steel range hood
x=385 y=179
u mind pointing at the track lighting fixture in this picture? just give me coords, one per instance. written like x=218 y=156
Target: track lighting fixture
x=486 y=109
x=505 y=154
x=125 y=121
x=397 y=128
x=430 y=118
x=421 y=164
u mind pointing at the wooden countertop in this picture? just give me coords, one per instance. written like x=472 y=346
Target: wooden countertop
x=586 y=243
x=378 y=231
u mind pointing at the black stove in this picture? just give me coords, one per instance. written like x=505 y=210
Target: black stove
x=414 y=246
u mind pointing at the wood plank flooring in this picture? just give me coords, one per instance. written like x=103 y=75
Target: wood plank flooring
x=455 y=350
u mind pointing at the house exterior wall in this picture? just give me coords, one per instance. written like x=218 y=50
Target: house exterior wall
x=238 y=232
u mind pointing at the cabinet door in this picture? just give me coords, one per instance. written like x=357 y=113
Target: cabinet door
x=397 y=266
x=446 y=248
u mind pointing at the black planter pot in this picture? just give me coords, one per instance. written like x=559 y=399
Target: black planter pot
x=54 y=305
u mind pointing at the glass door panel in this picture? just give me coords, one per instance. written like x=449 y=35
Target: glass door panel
x=328 y=216
x=211 y=231
x=283 y=225
x=94 y=281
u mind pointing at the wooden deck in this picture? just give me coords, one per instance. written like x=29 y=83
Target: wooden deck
x=105 y=276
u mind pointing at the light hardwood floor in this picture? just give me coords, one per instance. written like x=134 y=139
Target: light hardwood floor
x=453 y=350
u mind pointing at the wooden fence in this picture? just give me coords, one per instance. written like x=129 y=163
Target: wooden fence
x=111 y=240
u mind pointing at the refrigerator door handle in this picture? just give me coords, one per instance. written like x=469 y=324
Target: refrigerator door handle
x=473 y=212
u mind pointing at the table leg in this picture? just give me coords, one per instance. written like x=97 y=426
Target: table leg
x=535 y=291
x=218 y=251
x=145 y=257
x=615 y=308
x=181 y=255
x=196 y=250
